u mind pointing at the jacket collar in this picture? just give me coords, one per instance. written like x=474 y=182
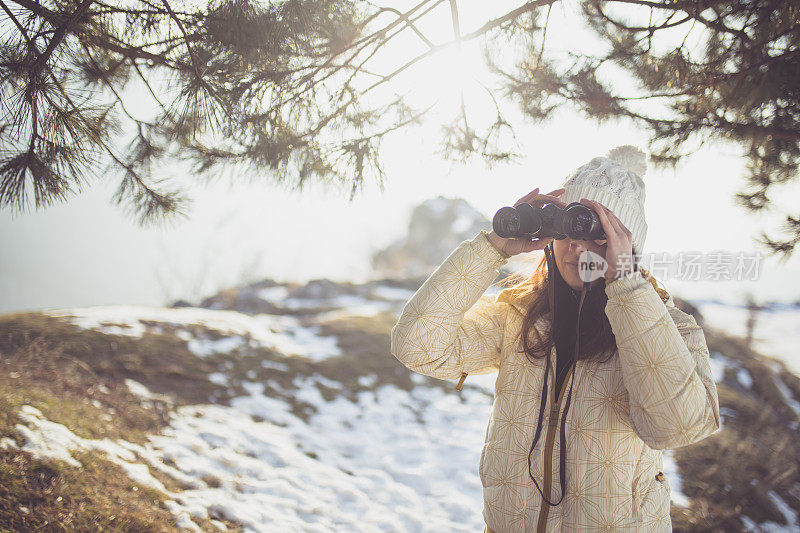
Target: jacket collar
x=521 y=296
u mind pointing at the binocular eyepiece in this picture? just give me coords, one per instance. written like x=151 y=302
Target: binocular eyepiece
x=576 y=221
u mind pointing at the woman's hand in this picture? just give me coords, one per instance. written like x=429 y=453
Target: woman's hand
x=619 y=241
x=514 y=246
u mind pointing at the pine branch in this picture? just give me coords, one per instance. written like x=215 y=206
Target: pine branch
x=487 y=27
x=60 y=33
x=53 y=18
x=17 y=24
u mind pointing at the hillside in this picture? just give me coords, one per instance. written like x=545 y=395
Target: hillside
x=279 y=408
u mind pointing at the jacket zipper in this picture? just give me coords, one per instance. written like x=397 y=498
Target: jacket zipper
x=552 y=424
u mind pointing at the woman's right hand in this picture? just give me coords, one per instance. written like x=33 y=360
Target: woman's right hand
x=514 y=246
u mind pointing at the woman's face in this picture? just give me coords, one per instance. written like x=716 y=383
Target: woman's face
x=567 y=252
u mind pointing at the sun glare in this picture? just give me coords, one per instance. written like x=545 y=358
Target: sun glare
x=452 y=70
x=442 y=78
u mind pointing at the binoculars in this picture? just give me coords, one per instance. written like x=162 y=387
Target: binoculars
x=525 y=221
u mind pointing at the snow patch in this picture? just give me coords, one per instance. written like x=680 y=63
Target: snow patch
x=343 y=300
x=277 y=365
x=775 y=331
x=348 y=482
x=789 y=515
x=218 y=378
x=340 y=478
x=366 y=309
x=7 y=443
x=744 y=378
x=392 y=293
x=719 y=363
x=718 y=366
x=793 y=404
x=206 y=347
x=273 y=294
x=139 y=390
x=46 y=440
x=675 y=480
x=283 y=334
x=368 y=381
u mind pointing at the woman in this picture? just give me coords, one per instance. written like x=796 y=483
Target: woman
x=594 y=379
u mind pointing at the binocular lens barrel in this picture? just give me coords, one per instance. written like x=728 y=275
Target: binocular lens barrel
x=506 y=222
x=585 y=223
x=576 y=221
x=517 y=221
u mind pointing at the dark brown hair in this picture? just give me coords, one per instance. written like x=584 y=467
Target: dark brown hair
x=597 y=339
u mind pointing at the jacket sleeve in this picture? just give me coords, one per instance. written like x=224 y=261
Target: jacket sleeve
x=449 y=326
x=665 y=365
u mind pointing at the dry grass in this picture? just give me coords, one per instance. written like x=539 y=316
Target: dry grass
x=50 y=496
x=730 y=473
x=76 y=378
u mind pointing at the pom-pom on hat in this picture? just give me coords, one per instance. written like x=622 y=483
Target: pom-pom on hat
x=615 y=181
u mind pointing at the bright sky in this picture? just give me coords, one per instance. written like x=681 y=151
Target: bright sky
x=87 y=252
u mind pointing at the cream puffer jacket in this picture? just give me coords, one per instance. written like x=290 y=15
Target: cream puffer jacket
x=657 y=392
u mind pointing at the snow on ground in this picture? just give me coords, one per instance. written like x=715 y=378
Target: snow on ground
x=141 y=391
x=675 y=480
x=48 y=440
x=392 y=293
x=381 y=298
x=788 y=397
x=789 y=514
x=206 y=347
x=365 y=466
x=374 y=468
x=344 y=300
x=284 y=334
x=273 y=294
x=719 y=363
x=393 y=461
x=364 y=309
x=776 y=333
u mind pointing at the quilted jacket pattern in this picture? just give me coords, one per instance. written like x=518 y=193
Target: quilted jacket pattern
x=655 y=393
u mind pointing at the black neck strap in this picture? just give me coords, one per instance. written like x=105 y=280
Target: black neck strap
x=551 y=265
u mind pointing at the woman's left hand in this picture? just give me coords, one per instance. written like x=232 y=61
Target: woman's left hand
x=619 y=240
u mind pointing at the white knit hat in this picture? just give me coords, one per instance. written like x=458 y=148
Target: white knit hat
x=614 y=181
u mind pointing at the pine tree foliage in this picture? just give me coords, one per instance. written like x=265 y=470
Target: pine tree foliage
x=271 y=87
x=710 y=70
x=279 y=89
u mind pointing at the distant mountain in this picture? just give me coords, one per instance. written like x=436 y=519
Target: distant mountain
x=436 y=227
